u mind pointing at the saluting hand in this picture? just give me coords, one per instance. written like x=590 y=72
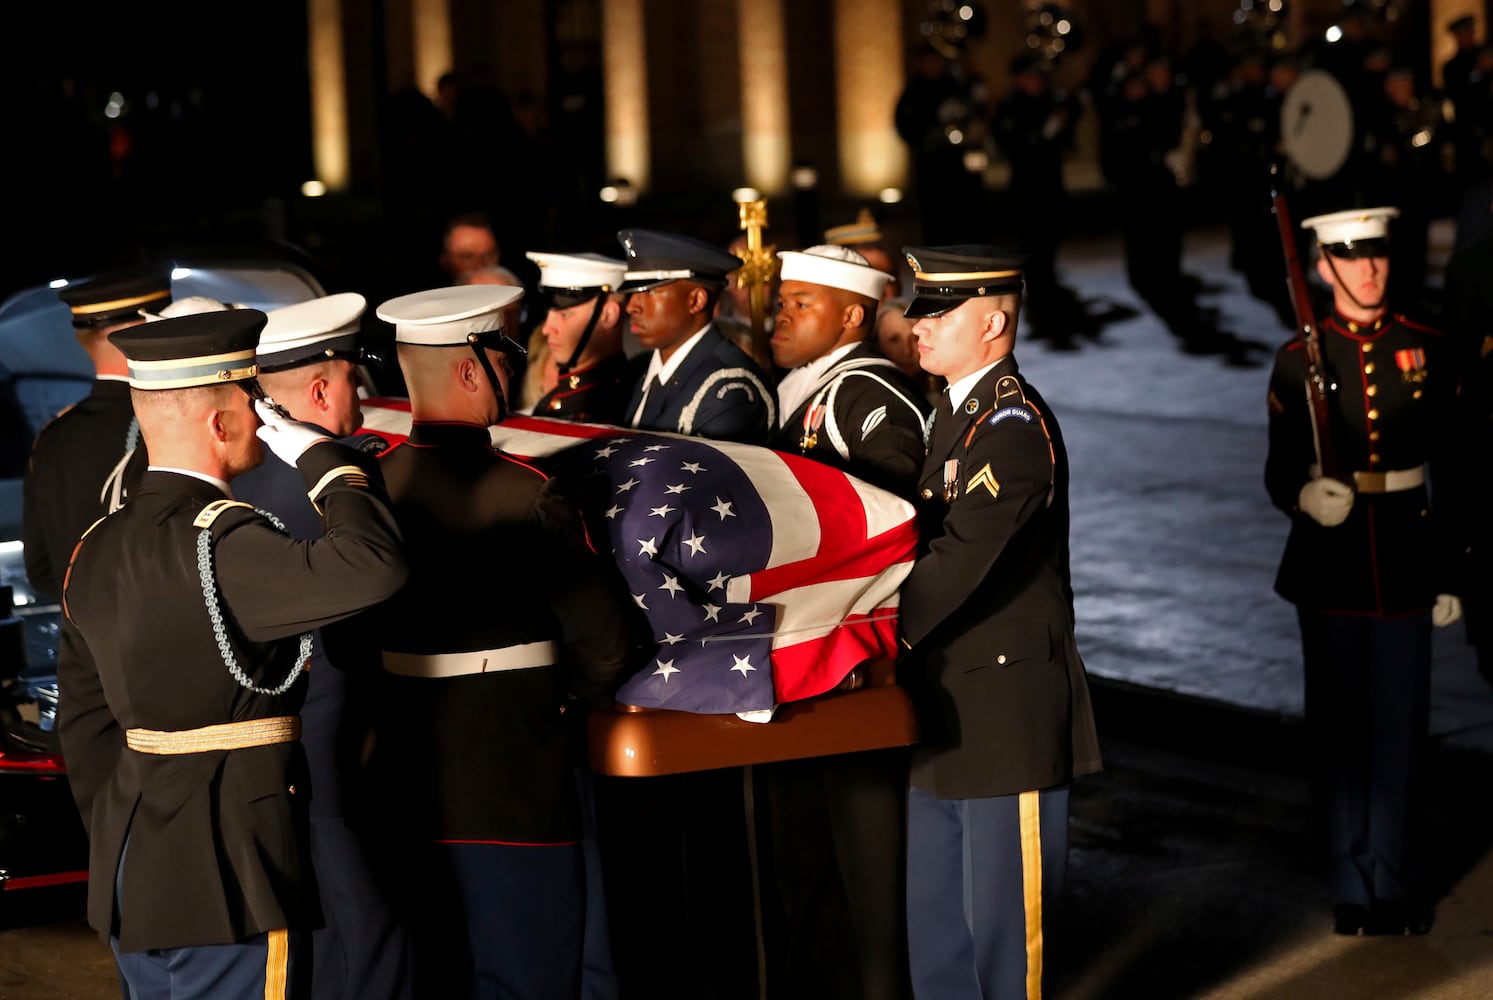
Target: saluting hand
x=288 y=439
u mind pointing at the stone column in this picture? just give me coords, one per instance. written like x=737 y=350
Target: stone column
x=625 y=70
x=869 y=77
x=765 y=144
x=430 y=23
x=329 y=129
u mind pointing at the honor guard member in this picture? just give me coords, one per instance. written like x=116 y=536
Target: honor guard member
x=583 y=329
x=697 y=381
x=309 y=358
x=507 y=618
x=838 y=823
x=180 y=690
x=1371 y=562
x=75 y=474
x=987 y=621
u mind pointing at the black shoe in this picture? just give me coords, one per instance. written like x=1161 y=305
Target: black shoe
x=1397 y=917
x=1350 y=918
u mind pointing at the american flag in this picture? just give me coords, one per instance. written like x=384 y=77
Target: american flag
x=765 y=577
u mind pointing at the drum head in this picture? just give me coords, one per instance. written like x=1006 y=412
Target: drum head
x=1316 y=124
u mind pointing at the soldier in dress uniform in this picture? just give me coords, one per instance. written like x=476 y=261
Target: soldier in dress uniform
x=75 y=474
x=991 y=660
x=507 y=627
x=838 y=823
x=180 y=691
x=697 y=381
x=309 y=357
x=1371 y=563
x=583 y=330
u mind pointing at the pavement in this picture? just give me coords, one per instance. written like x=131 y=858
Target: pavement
x=1193 y=871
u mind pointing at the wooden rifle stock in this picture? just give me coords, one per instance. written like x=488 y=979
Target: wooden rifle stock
x=1306 y=327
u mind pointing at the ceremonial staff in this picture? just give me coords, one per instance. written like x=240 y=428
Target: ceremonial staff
x=758 y=265
x=1306 y=325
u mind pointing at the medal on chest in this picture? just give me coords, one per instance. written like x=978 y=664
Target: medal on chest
x=813 y=420
x=950 y=480
x=1412 y=365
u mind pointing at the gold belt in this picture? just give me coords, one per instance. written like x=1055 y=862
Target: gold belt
x=228 y=736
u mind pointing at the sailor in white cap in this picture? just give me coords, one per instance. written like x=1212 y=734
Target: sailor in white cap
x=309 y=361
x=583 y=330
x=1372 y=561
x=844 y=404
x=507 y=617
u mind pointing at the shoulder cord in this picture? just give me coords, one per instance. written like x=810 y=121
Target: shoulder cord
x=687 y=415
x=112 y=495
x=214 y=611
x=832 y=426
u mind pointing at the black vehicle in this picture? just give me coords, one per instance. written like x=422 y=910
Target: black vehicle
x=43 y=370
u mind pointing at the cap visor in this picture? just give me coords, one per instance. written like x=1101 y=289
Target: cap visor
x=1376 y=247
x=930 y=305
x=643 y=284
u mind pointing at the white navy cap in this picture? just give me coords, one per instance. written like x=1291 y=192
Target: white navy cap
x=311 y=331
x=834 y=267
x=1358 y=232
x=189 y=306
x=572 y=278
x=451 y=317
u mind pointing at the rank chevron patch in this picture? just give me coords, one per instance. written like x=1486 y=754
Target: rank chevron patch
x=986 y=479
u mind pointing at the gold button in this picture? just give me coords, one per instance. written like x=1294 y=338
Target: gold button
x=1372 y=390
x=1373 y=414
x=1415 y=394
x=1367 y=347
x=291 y=789
x=927 y=494
x=1368 y=369
x=1373 y=459
x=562 y=709
x=575 y=381
x=1373 y=435
x=1001 y=658
x=554 y=404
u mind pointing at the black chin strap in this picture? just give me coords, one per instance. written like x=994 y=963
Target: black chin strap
x=492 y=377
x=1338 y=281
x=580 y=346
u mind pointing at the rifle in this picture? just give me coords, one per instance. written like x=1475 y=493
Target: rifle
x=1306 y=325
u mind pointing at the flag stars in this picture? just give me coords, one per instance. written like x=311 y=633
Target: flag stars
x=692 y=467
x=696 y=544
x=712 y=613
x=638 y=599
x=660 y=511
x=606 y=452
x=718 y=582
x=676 y=489
x=671 y=639
x=743 y=664
x=671 y=584
x=624 y=487
x=723 y=508
x=640 y=461
x=612 y=512
x=666 y=668
x=648 y=548
x=656 y=447
x=750 y=617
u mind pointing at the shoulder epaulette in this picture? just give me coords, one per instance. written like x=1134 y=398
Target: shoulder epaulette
x=207 y=515
x=1419 y=327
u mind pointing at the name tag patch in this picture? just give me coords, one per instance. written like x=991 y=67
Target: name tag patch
x=1026 y=416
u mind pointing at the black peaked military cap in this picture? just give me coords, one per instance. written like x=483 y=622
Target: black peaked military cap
x=944 y=277
x=208 y=348
x=114 y=296
x=655 y=258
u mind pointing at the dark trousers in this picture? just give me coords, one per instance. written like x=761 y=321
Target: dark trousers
x=1367 y=712
x=261 y=967
x=837 y=863
x=981 y=873
x=361 y=950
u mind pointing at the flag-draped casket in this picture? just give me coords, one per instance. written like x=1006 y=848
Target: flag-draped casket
x=765 y=578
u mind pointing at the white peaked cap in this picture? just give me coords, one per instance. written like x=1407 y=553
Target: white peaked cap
x=304 y=330
x=443 y=317
x=578 y=270
x=1351 y=226
x=834 y=267
x=190 y=306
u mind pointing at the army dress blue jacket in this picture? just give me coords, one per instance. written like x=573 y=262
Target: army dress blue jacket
x=718 y=392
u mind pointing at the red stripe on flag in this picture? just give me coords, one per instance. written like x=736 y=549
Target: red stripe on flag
x=806 y=669
x=854 y=561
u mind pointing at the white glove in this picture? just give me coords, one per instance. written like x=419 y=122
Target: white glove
x=1447 y=610
x=1327 y=501
x=288 y=439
